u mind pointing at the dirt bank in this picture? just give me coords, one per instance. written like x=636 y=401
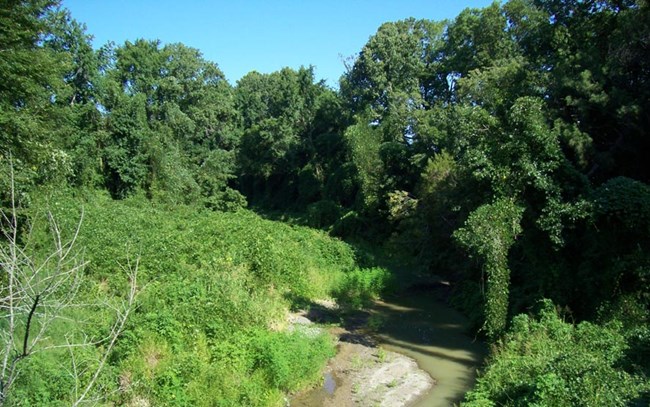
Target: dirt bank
x=362 y=373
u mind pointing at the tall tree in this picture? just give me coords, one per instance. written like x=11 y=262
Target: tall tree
x=282 y=118
x=180 y=120
x=32 y=77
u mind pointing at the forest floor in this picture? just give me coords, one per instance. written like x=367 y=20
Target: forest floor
x=362 y=373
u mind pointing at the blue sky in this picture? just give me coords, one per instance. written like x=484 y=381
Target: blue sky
x=246 y=35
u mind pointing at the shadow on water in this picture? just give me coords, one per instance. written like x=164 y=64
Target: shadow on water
x=424 y=350
x=417 y=324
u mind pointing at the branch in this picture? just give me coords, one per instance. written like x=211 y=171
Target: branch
x=31 y=288
x=29 y=324
x=116 y=331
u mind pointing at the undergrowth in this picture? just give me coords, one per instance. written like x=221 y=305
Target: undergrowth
x=215 y=289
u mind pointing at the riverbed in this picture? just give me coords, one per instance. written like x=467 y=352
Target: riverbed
x=435 y=336
x=415 y=324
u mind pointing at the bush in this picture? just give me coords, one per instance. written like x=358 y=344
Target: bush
x=291 y=360
x=545 y=361
x=361 y=286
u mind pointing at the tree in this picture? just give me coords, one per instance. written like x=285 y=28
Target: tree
x=280 y=121
x=397 y=78
x=476 y=39
x=595 y=56
x=127 y=153
x=364 y=146
x=68 y=39
x=396 y=75
x=397 y=71
x=169 y=113
x=32 y=77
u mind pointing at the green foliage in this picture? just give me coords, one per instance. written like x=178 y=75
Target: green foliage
x=349 y=225
x=361 y=286
x=545 y=361
x=618 y=242
x=169 y=126
x=215 y=288
x=397 y=72
x=400 y=205
x=517 y=131
x=266 y=147
x=126 y=155
x=491 y=230
x=43 y=382
x=476 y=39
x=245 y=368
x=626 y=201
x=445 y=195
x=33 y=79
x=342 y=184
x=291 y=360
x=323 y=214
x=291 y=144
x=488 y=234
x=364 y=142
x=395 y=77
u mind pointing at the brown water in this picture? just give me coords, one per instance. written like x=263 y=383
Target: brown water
x=421 y=327
x=427 y=330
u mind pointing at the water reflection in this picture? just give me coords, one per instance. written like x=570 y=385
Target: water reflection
x=419 y=326
x=329 y=384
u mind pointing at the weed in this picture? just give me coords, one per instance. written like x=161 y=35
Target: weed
x=356 y=362
x=382 y=355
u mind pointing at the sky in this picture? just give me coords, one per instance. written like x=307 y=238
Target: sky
x=257 y=35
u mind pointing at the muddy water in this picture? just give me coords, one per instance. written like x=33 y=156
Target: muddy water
x=419 y=326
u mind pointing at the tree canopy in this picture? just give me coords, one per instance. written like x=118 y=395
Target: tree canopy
x=504 y=150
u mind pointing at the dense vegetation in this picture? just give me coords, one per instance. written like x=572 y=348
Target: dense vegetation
x=215 y=289
x=504 y=150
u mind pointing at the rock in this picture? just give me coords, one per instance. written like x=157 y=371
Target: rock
x=297 y=319
x=302 y=324
x=396 y=382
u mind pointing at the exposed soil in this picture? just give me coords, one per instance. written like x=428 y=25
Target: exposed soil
x=361 y=373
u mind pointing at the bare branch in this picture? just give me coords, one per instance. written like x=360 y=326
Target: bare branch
x=117 y=328
x=37 y=291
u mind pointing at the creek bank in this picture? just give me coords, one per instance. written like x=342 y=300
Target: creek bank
x=362 y=373
x=418 y=325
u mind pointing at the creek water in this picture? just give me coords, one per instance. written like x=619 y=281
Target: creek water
x=421 y=327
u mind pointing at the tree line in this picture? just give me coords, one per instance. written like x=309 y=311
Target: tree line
x=504 y=149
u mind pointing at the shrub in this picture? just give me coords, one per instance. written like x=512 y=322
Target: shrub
x=545 y=361
x=361 y=286
x=291 y=360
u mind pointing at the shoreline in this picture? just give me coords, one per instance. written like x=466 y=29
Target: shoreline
x=362 y=373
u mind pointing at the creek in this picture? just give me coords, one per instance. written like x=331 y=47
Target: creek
x=423 y=328
x=416 y=323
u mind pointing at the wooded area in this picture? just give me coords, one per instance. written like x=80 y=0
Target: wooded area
x=503 y=150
